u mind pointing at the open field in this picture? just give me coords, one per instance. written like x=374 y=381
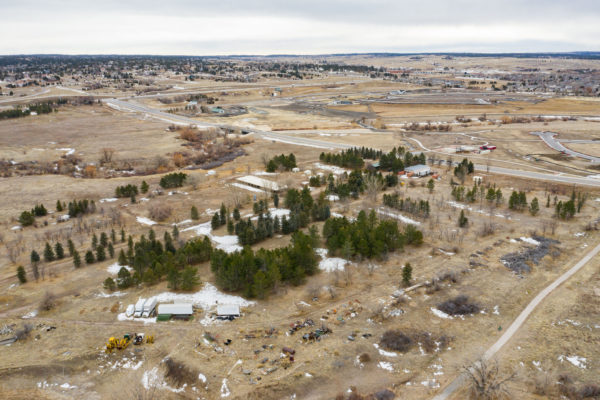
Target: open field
x=72 y=315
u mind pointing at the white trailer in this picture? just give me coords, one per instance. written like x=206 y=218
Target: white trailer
x=149 y=307
x=139 y=308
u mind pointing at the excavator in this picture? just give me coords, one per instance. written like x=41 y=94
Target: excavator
x=121 y=344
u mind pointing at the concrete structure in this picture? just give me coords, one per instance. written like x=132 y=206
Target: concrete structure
x=418 y=170
x=228 y=311
x=260 y=183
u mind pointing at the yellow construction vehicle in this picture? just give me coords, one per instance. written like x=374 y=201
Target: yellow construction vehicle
x=121 y=344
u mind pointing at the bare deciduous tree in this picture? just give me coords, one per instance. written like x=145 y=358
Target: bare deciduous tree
x=486 y=381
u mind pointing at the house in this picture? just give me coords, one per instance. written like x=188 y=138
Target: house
x=418 y=170
x=228 y=311
x=176 y=311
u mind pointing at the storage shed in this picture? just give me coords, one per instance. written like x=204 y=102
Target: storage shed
x=177 y=310
x=419 y=170
x=228 y=311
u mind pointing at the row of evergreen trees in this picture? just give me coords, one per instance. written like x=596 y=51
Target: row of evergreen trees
x=350 y=158
x=418 y=208
x=367 y=236
x=27 y=218
x=286 y=163
x=255 y=274
x=173 y=180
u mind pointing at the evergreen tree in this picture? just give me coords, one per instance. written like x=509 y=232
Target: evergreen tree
x=236 y=214
x=76 y=259
x=113 y=236
x=175 y=232
x=103 y=239
x=48 y=253
x=109 y=284
x=189 y=278
x=122 y=259
x=534 y=207
x=71 y=247
x=430 y=185
x=59 y=251
x=173 y=278
x=548 y=202
x=462 y=220
x=124 y=278
x=407 y=274
x=215 y=222
x=144 y=187
x=276 y=225
x=26 y=218
x=194 y=213
x=59 y=206
x=94 y=242
x=223 y=214
x=89 y=257
x=122 y=235
x=21 y=274
x=111 y=250
x=34 y=257
x=230 y=227
x=275 y=200
x=132 y=198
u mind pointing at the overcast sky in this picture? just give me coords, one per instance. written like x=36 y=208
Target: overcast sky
x=221 y=27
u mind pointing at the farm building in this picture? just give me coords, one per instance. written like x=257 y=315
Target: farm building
x=228 y=311
x=418 y=170
x=260 y=183
x=177 y=311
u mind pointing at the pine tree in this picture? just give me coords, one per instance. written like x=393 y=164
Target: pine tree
x=462 y=220
x=122 y=258
x=94 y=242
x=71 y=247
x=236 y=214
x=76 y=259
x=534 y=207
x=21 y=274
x=109 y=284
x=132 y=198
x=89 y=257
x=59 y=206
x=430 y=185
x=103 y=239
x=173 y=278
x=548 y=202
x=189 y=278
x=111 y=250
x=58 y=249
x=124 y=279
x=48 y=253
x=275 y=200
x=230 y=227
x=194 y=213
x=175 y=232
x=214 y=223
x=223 y=215
x=407 y=274
x=113 y=236
x=34 y=257
x=122 y=235
x=144 y=187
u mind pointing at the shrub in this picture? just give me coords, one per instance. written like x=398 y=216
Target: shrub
x=109 y=284
x=172 y=180
x=458 y=306
x=396 y=340
x=23 y=333
x=48 y=302
x=21 y=274
x=160 y=212
x=26 y=218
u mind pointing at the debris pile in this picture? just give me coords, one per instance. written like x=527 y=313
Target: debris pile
x=519 y=261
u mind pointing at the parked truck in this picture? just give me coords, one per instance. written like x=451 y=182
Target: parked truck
x=139 y=308
x=149 y=307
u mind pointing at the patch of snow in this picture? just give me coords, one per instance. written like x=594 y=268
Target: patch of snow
x=150 y=378
x=30 y=314
x=184 y=222
x=440 y=314
x=402 y=218
x=114 y=268
x=332 y=264
x=530 y=241
x=579 y=362
x=144 y=199
x=448 y=253
x=211 y=172
x=431 y=383
x=333 y=197
x=68 y=150
x=496 y=310
x=225 y=392
x=16 y=228
x=303 y=303
x=123 y=317
x=306 y=374
x=580 y=234
x=385 y=365
x=228 y=243
x=385 y=353
x=145 y=221
x=202 y=229
x=108 y=200
x=67 y=386
x=114 y=294
x=206 y=298
x=276 y=212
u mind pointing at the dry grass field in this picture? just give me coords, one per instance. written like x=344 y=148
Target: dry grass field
x=63 y=356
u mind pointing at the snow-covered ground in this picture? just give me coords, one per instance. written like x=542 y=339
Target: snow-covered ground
x=68 y=150
x=579 y=362
x=330 y=264
x=385 y=353
x=385 y=365
x=145 y=221
x=276 y=212
x=530 y=241
x=114 y=269
x=206 y=298
x=228 y=243
x=402 y=218
x=440 y=314
x=332 y=168
x=108 y=200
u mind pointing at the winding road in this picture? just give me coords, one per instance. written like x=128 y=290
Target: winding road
x=550 y=139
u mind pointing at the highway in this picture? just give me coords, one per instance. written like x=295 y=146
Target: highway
x=550 y=139
x=131 y=106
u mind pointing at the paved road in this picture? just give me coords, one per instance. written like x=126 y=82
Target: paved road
x=550 y=139
x=514 y=327
x=295 y=140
